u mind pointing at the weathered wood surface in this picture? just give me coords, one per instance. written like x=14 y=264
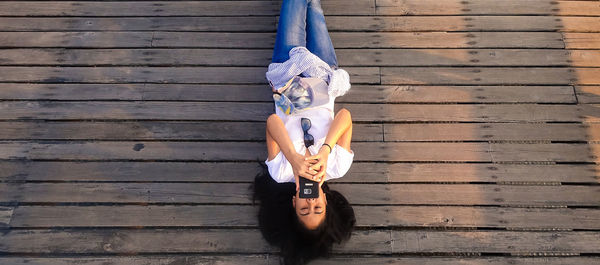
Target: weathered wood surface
x=205 y=75
x=240 y=193
x=262 y=259
x=273 y=260
x=254 y=131
x=229 y=111
x=588 y=94
x=41 y=171
x=255 y=75
x=261 y=57
x=5 y=216
x=489 y=76
x=260 y=93
x=251 y=151
x=360 y=172
x=451 y=7
x=140 y=241
x=162 y=39
x=334 y=7
x=215 y=216
x=130 y=130
x=582 y=40
x=334 y=23
x=240 y=131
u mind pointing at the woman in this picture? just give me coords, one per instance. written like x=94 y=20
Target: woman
x=310 y=143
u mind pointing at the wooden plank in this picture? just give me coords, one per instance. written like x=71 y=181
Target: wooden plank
x=206 y=216
x=128 y=171
x=480 y=217
x=494 y=242
x=479 y=113
x=225 y=111
x=260 y=93
x=581 y=40
x=213 y=40
x=6 y=214
x=491 y=132
x=133 y=8
x=518 y=152
x=357 y=94
x=583 y=58
x=247 y=241
x=254 y=131
x=145 y=260
x=229 y=131
x=252 y=151
x=361 y=172
x=156 y=57
x=334 y=23
x=253 y=57
x=447 y=40
x=230 y=193
x=463 y=194
x=204 y=75
x=588 y=94
x=75 y=39
x=136 y=39
x=462 y=23
x=227 y=24
x=475 y=152
x=259 y=259
x=133 y=74
x=587 y=76
x=244 y=216
x=457 y=94
x=142 y=241
x=468 y=57
x=255 y=75
x=489 y=76
x=267 y=40
x=240 y=193
x=485 y=7
x=254 y=8
x=459 y=260
x=136 y=110
x=163 y=92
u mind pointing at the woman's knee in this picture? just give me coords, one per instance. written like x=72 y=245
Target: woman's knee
x=273 y=118
x=345 y=112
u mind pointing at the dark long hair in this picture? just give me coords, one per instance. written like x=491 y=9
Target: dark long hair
x=281 y=227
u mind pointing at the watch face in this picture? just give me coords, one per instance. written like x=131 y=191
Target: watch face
x=308 y=189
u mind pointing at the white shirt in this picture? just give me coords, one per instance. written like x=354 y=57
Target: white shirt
x=340 y=159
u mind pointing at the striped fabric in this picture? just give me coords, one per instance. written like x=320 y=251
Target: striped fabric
x=303 y=62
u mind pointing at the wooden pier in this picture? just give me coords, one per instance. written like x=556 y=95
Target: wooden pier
x=130 y=131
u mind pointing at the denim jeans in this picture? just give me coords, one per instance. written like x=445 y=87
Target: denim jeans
x=301 y=23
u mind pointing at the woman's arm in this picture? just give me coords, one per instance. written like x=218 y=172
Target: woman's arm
x=279 y=140
x=340 y=132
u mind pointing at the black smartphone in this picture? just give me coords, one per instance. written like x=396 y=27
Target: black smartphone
x=308 y=189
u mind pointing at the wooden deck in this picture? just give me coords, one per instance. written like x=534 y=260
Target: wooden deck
x=129 y=131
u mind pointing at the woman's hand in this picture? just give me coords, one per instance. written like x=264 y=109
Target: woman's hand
x=319 y=162
x=301 y=168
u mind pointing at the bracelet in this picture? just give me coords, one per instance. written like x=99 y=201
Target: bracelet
x=330 y=149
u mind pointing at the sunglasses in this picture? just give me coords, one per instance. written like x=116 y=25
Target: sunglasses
x=308 y=138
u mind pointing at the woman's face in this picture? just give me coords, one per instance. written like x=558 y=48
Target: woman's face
x=311 y=212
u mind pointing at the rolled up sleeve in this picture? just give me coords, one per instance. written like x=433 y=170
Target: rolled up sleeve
x=339 y=162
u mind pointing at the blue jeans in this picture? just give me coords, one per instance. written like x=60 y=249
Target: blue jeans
x=301 y=23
